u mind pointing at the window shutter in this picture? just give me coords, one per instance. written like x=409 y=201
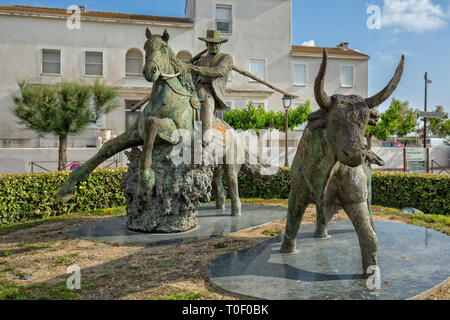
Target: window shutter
x=257 y=68
x=300 y=75
x=51 y=61
x=94 y=64
x=134 y=63
x=347 y=76
x=224 y=18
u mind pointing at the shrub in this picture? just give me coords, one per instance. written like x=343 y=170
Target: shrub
x=30 y=196
x=426 y=192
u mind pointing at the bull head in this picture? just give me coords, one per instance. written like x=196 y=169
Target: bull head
x=345 y=118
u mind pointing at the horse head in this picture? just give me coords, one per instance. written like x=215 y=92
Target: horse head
x=345 y=118
x=157 y=56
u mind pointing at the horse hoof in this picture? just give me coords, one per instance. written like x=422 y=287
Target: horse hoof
x=236 y=212
x=147 y=179
x=65 y=195
x=220 y=206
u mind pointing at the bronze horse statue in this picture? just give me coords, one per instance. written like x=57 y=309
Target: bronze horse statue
x=332 y=165
x=172 y=106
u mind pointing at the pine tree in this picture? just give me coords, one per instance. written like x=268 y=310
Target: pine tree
x=63 y=110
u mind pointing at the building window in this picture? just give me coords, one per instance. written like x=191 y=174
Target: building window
x=51 y=61
x=131 y=117
x=93 y=64
x=257 y=67
x=300 y=75
x=134 y=61
x=223 y=18
x=347 y=77
x=184 y=56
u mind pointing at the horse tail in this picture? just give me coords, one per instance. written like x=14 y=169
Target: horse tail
x=259 y=171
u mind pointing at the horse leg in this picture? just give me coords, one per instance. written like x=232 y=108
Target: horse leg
x=368 y=242
x=217 y=186
x=232 y=179
x=146 y=174
x=296 y=209
x=109 y=148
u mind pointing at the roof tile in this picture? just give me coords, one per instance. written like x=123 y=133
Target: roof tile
x=92 y=14
x=330 y=51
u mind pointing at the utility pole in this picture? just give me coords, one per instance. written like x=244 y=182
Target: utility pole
x=427 y=81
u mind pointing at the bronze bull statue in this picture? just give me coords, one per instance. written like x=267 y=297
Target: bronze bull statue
x=332 y=165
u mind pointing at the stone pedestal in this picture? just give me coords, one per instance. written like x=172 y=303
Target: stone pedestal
x=172 y=204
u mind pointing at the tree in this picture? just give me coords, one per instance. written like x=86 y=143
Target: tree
x=257 y=118
x=439 y=127
x=398 y=119
x=63 y=110
x=408 y=121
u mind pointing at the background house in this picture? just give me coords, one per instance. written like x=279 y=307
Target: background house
x=36 y=45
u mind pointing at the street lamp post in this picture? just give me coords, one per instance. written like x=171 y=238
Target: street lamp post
x=287 y=100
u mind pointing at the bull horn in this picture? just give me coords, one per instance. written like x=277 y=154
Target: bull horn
x=381 y=96
x=323 y=100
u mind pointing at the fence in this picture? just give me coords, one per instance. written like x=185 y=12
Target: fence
x=41 y=164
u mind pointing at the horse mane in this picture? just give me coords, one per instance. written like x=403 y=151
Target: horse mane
x=185 y=76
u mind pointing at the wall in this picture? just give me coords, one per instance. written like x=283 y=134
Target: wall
x=15 y=160
x=393 y=157
x=21 y=50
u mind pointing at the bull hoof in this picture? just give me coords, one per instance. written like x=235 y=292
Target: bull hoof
x=288 y=246
x=322 y=236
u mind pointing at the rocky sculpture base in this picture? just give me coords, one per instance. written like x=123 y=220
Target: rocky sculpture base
x=172 y=204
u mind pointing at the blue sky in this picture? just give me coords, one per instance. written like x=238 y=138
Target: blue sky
x=417 y=28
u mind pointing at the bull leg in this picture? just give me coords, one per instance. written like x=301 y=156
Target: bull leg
x=324 y=213
x=321 y=223
x=232 y=180
x=296 y=209
x=218 y=190
x=368 y=242
x=146 y=174
x=109 y=148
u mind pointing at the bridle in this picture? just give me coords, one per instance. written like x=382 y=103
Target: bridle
x=158 y=67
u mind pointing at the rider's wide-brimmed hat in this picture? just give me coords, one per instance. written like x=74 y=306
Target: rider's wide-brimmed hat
x=213 y=36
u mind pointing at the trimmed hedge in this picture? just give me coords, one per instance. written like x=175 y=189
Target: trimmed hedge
x=426 y=192
x=30 y=196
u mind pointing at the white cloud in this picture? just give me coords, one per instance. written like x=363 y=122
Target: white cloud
x=309 y=43
x=385 y=56
x=413 y=15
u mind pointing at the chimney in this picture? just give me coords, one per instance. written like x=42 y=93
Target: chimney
x=82 y=8
x=343 y=45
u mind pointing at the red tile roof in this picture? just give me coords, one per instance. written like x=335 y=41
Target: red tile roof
x=92 y=14
x=330 y=51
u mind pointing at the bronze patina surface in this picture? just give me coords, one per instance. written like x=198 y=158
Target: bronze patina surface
x=332 y=166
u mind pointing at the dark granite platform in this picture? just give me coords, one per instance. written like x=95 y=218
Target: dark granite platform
x=212 y=223
x=412 y=260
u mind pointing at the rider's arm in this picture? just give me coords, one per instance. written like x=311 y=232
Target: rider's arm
x=221 y=70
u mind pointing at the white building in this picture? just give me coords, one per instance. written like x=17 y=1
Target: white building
x=37 y=45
